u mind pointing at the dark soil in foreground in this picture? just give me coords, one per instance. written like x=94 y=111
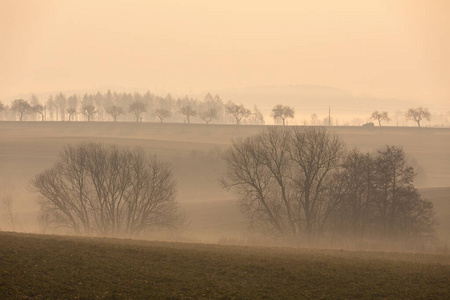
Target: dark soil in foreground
x=40 y=266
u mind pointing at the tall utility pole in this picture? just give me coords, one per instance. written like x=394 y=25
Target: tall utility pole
x=329 y=115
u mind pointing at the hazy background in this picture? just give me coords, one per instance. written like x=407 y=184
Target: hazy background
x=373 y=54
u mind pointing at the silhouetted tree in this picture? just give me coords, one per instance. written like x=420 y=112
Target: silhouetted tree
x=72 y=103
x=114 y=111
x=380 y=116
x=301 y=183
x=282 y=112
x=208 y=114
x=418 y=114
x=137 y=108
x=189 y=112
x=394 y=181
x=162 y=114
x=21 y=107
x=95 y=189
x=89 y=111
x=256 y=116
x=283 y=177
x=211 y=108
x=237 y=111
x=357 y=181
x=71 y=112
x=7 y=202
x=39 y=109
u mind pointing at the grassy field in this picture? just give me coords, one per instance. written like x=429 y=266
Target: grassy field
x=45 y=267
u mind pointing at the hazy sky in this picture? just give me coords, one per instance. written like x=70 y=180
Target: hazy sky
x=398 y=49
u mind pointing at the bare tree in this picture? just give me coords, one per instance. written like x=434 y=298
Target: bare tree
x=380 y=116
x=208 y=114
x=282 y=112
x=96 y=189
x=114 y=111
x=316 y=155
x=162 y=114
x=283 y=178
x=7 y=203
x=301 y=183
x=418 y=114
x=89 y=111
x=71 y=112
x=137 y=108
x=256 y=116
x=21 y=107
x=379 y=198
x=237 y=111
x=189 y=112
x=211 y=108
x=39 y=109
x=72 y=102
x=357 y=179
x=397 y=195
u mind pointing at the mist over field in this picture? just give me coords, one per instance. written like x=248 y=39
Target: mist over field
x=194 y=153
x=244 y=149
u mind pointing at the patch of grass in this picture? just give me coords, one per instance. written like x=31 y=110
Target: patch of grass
x=40 y=266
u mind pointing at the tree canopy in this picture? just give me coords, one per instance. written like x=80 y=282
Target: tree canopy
x=418 y=114
x=95 y=189
x=282 y=112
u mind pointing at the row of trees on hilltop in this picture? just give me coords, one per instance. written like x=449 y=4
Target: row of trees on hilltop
x=302 y=183
x=113 y=106
x=414 y=114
